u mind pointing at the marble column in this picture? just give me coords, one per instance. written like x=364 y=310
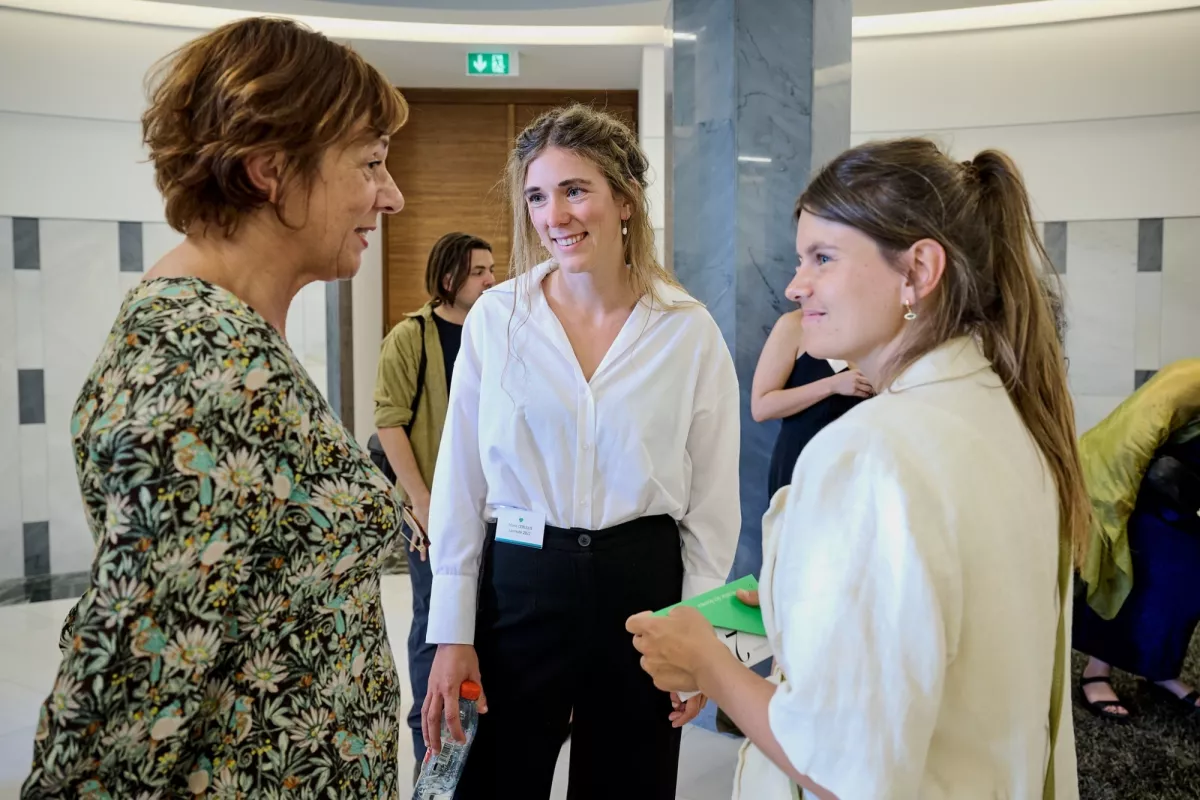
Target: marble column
x=758 y=97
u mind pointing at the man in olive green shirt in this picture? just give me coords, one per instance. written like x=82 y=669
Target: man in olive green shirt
x=410 y=413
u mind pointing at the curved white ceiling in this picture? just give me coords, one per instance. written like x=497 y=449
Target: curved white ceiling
x=489 y=5
x=480 y=12
x=599 y=22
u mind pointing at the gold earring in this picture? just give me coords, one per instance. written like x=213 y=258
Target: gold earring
x=909 y=315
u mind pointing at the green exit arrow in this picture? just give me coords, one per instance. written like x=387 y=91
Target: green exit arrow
x=491 y=64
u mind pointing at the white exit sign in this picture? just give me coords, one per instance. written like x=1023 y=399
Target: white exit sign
x=492 y=64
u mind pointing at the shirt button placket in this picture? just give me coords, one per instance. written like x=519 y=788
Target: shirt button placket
x=585 y=458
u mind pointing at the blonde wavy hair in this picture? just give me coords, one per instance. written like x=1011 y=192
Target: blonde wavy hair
x=608 y=143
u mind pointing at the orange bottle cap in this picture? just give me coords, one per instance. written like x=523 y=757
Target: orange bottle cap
x=470 y=690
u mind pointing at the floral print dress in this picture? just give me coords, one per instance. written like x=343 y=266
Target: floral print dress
x=232 y=641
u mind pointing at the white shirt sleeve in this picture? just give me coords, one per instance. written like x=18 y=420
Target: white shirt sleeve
x=867 y=594
x=712 y=523
x=457 y=528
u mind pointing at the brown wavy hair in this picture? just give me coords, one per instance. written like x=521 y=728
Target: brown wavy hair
x=998 y=285
x=253 y=86
x=608 y=143
x=450 y=258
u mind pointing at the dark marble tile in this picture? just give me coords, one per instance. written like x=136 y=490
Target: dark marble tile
x=40 y=588
x=70 y=584
x=27 y=251
x=130 y=243
x=1150 y=245
x=339 y=365
x=31 y=396
x=1054 y=239
x=37 y=548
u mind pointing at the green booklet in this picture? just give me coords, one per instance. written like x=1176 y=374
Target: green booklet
x=722 y=608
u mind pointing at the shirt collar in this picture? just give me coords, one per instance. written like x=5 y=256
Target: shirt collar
x=425 y=311
x=529 y=290
x=957 y=358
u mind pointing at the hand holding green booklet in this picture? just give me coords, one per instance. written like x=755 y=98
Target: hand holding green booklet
x=721 y=607
x=738 y=626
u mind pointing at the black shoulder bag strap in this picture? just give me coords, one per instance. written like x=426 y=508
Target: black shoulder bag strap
x=416 y=401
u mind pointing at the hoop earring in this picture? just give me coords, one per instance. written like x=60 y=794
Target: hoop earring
x=909 y=315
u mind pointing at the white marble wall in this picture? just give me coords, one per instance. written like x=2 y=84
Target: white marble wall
x=652 y=134
x=1180 y=289
x=1133 y=306
x=1101 y=267
x=58 y=299
x=305 y=330
x=11 y=530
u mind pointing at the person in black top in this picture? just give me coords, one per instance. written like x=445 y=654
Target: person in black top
x=450 y=332
x=416 y=366
x=805 y=392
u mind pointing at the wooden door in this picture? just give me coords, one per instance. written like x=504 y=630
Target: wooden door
x=448 y=161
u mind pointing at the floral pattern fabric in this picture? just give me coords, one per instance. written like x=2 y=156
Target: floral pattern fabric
x=231 y=643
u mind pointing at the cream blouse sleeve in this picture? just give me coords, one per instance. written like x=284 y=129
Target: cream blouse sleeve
x=866 y=593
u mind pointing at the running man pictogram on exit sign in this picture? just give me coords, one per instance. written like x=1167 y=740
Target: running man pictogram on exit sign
x=491 y=63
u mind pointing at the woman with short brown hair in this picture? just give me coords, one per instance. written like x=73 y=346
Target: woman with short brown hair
x=232 y=639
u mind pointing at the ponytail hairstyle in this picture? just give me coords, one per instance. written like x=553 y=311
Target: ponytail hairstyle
x=998 y=284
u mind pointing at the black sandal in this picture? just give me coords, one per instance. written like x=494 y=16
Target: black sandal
x=1101 y=707
x=1186 y=705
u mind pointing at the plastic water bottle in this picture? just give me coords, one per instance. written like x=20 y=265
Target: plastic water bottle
x=440 y=773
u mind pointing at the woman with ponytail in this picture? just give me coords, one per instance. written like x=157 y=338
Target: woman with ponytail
x=915 y=572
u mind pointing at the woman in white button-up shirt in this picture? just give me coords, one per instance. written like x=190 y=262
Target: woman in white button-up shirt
x=593 y=395
x=914 y=573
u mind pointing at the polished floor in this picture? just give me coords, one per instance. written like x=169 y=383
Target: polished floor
x=29 y=659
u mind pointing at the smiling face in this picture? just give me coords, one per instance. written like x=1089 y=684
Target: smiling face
x=350 y=191
x=574 y=211
x=849 y=295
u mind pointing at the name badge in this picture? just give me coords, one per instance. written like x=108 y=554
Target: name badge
x=526 y=528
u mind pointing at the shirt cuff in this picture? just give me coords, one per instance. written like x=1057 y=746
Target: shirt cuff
x=390 y=417
x=452 y=601
x=699 y=584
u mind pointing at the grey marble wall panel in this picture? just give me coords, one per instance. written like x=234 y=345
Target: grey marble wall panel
x=129 y=243
x=26 y=243
x=1054 y=239
x=1150 y=245
x=339 y=332
x=37 y=548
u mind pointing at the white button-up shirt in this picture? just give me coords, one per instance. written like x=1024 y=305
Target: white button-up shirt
x=910 y=594
x=655 y=431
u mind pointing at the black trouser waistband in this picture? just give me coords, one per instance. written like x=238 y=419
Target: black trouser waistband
x=581 y=539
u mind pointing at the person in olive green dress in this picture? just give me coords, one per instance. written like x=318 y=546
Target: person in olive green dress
x=232 y=642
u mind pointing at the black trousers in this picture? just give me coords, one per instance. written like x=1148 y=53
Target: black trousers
x=550 y=633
